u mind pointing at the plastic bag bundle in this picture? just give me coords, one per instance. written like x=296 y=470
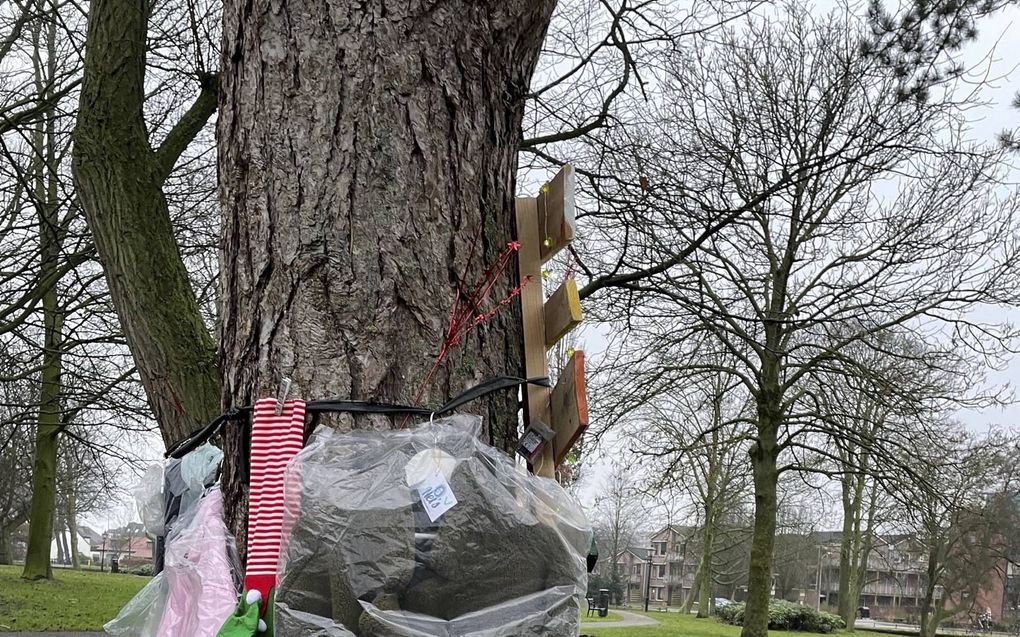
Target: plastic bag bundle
x=198 y=588
x=426 y=532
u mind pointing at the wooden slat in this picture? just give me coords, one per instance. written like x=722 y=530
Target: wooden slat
x=569 y=407
x=556 y=213
x=533 y=315
x=562 y=312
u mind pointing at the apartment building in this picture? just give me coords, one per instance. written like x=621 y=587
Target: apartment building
x=896 y=576
x=894 y=579
x=673 y=564
x=893 y=589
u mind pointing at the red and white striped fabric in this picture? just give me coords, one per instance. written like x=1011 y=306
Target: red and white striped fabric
x=275 y=440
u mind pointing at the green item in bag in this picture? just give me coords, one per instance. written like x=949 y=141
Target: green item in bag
x=245 y=622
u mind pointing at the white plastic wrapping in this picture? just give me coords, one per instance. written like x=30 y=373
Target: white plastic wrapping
x=364 y=557
x=149 y=499
x=199 y=467
x=197 y=590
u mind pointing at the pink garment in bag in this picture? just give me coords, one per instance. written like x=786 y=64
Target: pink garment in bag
x=199 y=574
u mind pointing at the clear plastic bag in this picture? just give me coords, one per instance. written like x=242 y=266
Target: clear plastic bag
x=198 y=588
x=149 y=499
x=140 y=617
x=198 y=468
x=508 y=558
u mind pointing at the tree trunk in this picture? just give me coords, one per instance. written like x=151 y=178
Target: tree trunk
x=764 y=456
x=44 y=472
x=929 y=613
x=858 y=526
x=849 y=548
x=44 y=476
x=695 y=591
x=119 y=181
x=855 y=549
x=711 y=509
x=6 y=549
x=705 y=568
x=72 y=525
x=61 y=538
x=363 y=150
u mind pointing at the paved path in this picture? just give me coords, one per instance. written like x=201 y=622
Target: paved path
x=629 y=620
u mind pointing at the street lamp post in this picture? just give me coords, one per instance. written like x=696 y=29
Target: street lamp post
x=102 y=555
x=648 y=578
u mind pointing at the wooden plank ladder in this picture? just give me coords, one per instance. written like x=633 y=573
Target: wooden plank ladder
x=545 y=225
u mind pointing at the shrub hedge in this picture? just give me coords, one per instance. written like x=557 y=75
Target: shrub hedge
x=142 y=569
x=784 y=615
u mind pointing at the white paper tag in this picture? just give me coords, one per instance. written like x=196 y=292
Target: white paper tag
x=425 y=463
x=436 y=496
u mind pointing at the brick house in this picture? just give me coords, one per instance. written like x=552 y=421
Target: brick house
x=632 y=563
x=674 y=565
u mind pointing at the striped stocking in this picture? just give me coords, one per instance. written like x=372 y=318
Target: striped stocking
x=274 y=441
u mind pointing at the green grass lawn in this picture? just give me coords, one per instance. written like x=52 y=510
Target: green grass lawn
x=75 y=600
x=682 y=625
x=85 y=600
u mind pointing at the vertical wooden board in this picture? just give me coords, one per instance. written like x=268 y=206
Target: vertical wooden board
x=562 y=312
x=569 y=407
x=533 y=316
x=556 y=213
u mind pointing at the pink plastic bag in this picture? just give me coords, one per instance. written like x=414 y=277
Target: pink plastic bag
x=198 y=587
x=200 y=574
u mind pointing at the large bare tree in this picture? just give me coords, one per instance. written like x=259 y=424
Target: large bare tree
x=85 y=401
x=367 y=161
x=854 y=208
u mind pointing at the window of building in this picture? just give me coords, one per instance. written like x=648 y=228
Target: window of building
x=661 y=571
x=660 y=548
x=636 y=569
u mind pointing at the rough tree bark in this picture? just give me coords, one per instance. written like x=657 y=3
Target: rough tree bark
x=362 y=150
x=119 y=179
